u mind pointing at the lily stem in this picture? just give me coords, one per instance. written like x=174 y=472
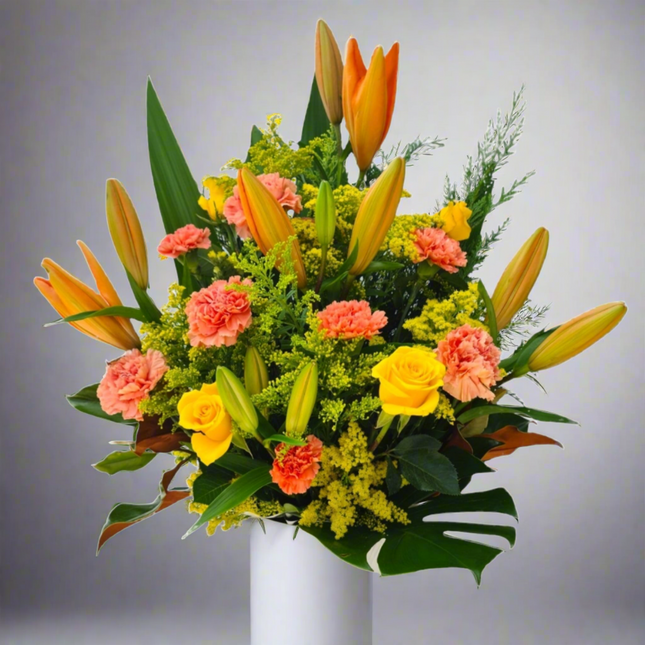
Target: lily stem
x=359 y=181
x=411 y=299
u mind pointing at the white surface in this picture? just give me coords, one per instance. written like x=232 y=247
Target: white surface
x=302 y=594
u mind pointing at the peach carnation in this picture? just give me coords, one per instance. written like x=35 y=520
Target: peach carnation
x=128 y=380
x=434 y=245
x=218 y=314
x=184 y=239
x=284 y=190
x=351 y=319
x=295 y=468
x=471 y=361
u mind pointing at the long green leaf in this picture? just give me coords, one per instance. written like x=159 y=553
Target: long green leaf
x=123 y=312
x=240 y=490
x=290 y=441
x=123 y=460
x=256 y=137
x=538 y=415
x=239 y=464
x=87 y=401
x=490 y=311
x=210 y=484
x=146 y=304
x=316 y=122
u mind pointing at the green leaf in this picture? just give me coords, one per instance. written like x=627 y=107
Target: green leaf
x=239 y=464
x=237 y=492
x=382 y=265
x=425 y=467
x=316 y=121
x=210 y=484
x=498 y=421
x=466 y=465
x=538 y=415
x=393 y=479
x=491 y=320
x=124 y=312
x=481 y=444
x=290 y=441
x=123 y=516
x=256 y=136
x=87 y=401
x=520 y=357
x=119 y=460
x=146 y=304
x=425 y=545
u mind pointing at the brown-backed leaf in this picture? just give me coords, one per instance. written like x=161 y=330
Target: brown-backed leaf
x=152 y=436
x=512 y=439
x=455 y=439
x=123 y=516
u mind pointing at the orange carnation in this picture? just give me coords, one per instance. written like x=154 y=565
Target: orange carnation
x=295 y=469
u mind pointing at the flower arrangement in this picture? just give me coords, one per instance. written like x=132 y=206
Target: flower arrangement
x=321 y=361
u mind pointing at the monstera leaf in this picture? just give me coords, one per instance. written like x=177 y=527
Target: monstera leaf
x=426 y=544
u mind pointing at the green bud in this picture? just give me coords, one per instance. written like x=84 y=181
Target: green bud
x=256 y=377
x=302 y=400
x=237 y=400
x=325 y=215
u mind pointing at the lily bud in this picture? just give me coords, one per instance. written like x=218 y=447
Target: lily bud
x=267 y=221
x=518 y=279
x=256 y=377
x=325 y=215
x=329 y=72
x=368 y=99
x=237 y=400
x=69 y=296
x=126 y=233
x=375 y=215
x=302 y=400
x=576 y=335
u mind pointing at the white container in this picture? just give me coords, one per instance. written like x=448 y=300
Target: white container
x=302 y=594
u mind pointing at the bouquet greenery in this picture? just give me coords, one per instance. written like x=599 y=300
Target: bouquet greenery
x=320 y=361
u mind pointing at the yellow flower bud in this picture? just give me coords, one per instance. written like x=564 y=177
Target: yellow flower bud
x=329 y=72
x=302 y=400
x=325 y=215
x=256 y=377
x=455 y=220
x=237 y=400
x=126 y=233
x=518 y=279
x=203 y=412
x=375 y=215
x=267 y=221
x=576 y=335
x=368 y=99
x=69 y=296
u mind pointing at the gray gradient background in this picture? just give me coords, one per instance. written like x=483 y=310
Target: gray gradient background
x=72 y=114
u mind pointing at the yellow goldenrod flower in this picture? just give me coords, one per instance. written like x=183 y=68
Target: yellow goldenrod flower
x=214 y=203
x=576 y=335
x=267 y=220
x=203 y=412
x=236 y=400
x=518 y=279
x=302 y=400
x=69 y=296
x=126 y=233
x=375 y=215
x=256 y=377
x=368 y=99
x=329 y=72
x=455 y=217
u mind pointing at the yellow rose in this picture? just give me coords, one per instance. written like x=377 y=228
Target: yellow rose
x=455 y=220
x=203 y=412
x=409 y=380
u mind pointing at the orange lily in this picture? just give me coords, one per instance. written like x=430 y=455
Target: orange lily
x=126 y=233
x=329 y=72
x=576 y=335
x=518 y=278
x=69 y=296
x=368 y=99
x=375 y=215
x=267 y=221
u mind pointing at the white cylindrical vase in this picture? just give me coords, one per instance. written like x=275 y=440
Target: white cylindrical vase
x=302 y=594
